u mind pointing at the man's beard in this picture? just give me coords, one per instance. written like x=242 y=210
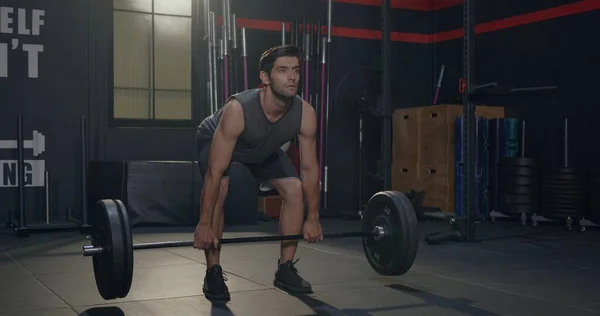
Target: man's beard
x=285 y=99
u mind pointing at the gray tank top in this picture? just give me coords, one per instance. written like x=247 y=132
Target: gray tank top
x=261 y=137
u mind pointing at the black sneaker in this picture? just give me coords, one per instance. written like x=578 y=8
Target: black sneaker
x=214 y=287
x=288 y=279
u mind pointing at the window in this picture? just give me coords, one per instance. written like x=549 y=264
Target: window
x=152 y=61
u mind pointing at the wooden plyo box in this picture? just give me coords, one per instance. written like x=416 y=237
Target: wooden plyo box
x=423 y=150
x=270 y=205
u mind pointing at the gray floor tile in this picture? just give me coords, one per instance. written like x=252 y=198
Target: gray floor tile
x=9 y=267
x=45 y=312
x=384 y=300
x=593 y=306
x=235 y=252
x=248 y=303
x=68 y=259
x=524 y=271
x=556 y=311
x=25 y=293
x=79 y=289
x=315 y=266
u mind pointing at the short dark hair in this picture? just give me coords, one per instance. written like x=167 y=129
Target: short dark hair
x=268 y=58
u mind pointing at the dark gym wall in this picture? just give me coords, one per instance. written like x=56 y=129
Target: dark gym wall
x=532 y=43
x=43 y=77
x=411 y=77
x=75 y=79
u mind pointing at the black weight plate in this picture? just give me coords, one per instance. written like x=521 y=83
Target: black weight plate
x=128 y=248
x=561 y=213
x=576 y=177
x=559 y=187
x=563 y=200
x=520 y=207
x=566 y=191
x=566 y=206
x=595 y=182
x=566 y=170
x=514 y=181
x=563 y=196
x=517 y=209
x=395 y=253
x=524 y=172
x=107 y=232
x=517 y=161
x=593 y=198
x=566 y=187
x=517 y=199
x=520 y=190
x=564 y=181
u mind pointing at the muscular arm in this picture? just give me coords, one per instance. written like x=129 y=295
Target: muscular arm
x=308 y=159
x=229 y=129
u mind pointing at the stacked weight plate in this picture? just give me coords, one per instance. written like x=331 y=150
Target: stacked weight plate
x=564 y=195
x=594 y=197
x=518 y=187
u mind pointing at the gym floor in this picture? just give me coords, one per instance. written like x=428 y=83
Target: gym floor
x=516 y=271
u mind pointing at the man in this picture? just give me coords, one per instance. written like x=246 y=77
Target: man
x=250 y=129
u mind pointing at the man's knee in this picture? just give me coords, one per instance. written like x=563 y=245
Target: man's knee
x=290 y=189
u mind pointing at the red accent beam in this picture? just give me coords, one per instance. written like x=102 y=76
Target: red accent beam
x=486 y=27
x=417 y=5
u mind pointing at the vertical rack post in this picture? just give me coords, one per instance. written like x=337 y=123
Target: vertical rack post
x=47 y=196
x=22 y=223
x=386 y=93
x=84 y=171
x=469 y=122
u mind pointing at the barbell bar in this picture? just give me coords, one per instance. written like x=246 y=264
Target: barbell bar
x=377 y=233
x=389 y=240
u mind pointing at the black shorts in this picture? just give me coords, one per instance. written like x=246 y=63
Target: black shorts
x=276 y=166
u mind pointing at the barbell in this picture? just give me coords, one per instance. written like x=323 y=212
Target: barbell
x=389 y=240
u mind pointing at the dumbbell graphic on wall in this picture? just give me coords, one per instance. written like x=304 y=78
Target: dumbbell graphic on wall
x=38 y=143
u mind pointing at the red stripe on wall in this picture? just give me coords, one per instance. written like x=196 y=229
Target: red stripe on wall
x=417 y=5
x=528 y=18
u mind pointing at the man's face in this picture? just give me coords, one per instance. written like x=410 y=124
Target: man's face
x=285 y=76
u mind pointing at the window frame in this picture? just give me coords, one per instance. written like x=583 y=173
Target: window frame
x=192 y=122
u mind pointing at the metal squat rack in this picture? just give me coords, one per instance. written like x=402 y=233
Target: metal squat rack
x=17 y=221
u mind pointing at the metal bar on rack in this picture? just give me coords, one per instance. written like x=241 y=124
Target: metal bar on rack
x=225 y=57
x=327 y=99
x=84 y=171
x=235 y=87
x=211 y=84
x=22 y=222
x=214 y=44
x=244 y=58
x=47 y=196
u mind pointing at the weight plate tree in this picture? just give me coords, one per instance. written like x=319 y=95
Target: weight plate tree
x=519 y=183
x=518 y=187
x=564 y=191
x=389 y=238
